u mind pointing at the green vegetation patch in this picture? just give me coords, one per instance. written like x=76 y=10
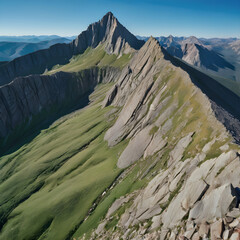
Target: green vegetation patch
x=48 y=185
x=90 y=58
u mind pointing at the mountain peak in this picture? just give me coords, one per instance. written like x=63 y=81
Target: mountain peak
x=109 y=32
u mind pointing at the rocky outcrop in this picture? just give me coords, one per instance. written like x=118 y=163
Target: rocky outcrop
x=108 y=31
x=27 y=97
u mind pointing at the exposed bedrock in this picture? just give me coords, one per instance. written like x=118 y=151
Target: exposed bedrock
x=27 y=97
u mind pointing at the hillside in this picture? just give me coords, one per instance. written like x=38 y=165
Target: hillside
x=137 y=144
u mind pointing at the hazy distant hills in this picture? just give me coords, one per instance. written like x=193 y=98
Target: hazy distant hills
x=10 y=50
x=217 y=56
x=32 y=38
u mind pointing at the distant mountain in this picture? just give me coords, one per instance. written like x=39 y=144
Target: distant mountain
x=11 y=50
x=32 y=38
x=217 y=56
x=108 y=31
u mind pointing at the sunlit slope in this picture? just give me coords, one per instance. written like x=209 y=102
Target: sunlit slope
x=48 y=186
x=92 y=57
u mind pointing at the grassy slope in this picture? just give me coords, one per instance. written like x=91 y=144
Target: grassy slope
x=58 y=175
x=92 y=57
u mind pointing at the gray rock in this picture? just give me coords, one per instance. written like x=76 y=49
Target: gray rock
x=216 y=230
x=215 y=204
x=135 y=149
x=235 y=236
x=203 y=229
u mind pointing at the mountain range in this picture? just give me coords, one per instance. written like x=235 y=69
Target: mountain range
x=114 y=137
x=12 y=50
x=216 y=56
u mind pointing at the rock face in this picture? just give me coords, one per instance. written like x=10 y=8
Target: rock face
x=107 y=31
x=194 y=52
x=27 y=97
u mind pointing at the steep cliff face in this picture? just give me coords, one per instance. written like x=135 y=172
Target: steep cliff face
x=26 y=97
x=107 y=31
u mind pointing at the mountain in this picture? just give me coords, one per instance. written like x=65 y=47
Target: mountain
x=215 y=56
x=137 y=144
x=107 y=31
x=200 y=56
x=194 y=52
x=11 y=50
x=32 y=38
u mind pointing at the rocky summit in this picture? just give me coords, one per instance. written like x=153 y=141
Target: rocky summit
x=111 y=137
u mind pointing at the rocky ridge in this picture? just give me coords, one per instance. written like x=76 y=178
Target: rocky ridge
x=170 y=124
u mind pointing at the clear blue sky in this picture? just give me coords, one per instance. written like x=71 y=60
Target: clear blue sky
x=202 y=18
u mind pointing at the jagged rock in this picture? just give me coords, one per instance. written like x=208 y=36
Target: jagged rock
x=100 y=227
x=189 y=233
x=117 y=204
x=179 y=149
x=215 y=204
x=155 y=145
x=135 y=148
x=225 y=234
x=196 y=236
x=156 y=222
x=203 y=229
x=235 y=236
x=235 y=213
x=216 y=230
x=234 y=223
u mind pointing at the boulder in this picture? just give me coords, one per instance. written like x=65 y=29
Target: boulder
x=216 y=230
x=135 y=149
x=215 y=204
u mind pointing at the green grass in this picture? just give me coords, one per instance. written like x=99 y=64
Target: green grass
x=90 y=58
x=48 y=185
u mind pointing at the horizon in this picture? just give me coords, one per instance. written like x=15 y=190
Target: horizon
x=203 y=19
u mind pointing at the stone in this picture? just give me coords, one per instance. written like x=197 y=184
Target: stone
x=216 y=230
x=225 y=234
x=235 y=236
x=156 y=222
x=203 y=229
x=135 y=149
x=235 y=213
x=234 y=223
x=188 y=234
x=196 y=236
x=179 y=149
x=100 y=227
x=215 y=204
x=116 y=205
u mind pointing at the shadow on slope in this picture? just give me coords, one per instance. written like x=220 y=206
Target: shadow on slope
x=25 y=133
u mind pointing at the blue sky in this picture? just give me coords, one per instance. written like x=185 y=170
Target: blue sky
x=201 y=18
